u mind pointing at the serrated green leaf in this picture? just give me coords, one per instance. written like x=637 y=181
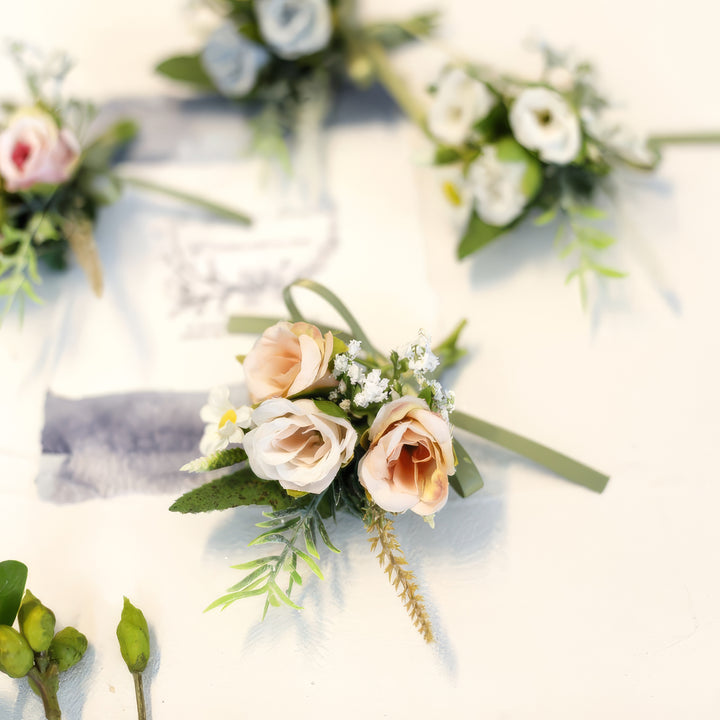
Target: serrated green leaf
x=310 y=539
x=547 y=217
x=608 y=272
x=186 y=68
x=270 y=537
x=13 y=575
x=239 y=488
x=220 y=459
x=467 y=479
x=310 y=562
x=277 y=593
x=254 y=563
x=590 y=212
x=325 y=537
x=477 y=235
x=250 y=579
x=595 y=238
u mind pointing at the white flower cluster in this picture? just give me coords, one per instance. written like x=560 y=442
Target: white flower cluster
x=365 y=389
x=422 y=360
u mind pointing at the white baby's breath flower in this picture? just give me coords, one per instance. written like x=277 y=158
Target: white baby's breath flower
x=542 y=120
x=294 y=28
x=355 y=374
x=503 y=179
x=340 y=365
x=460 y=102
x=374 y=389
x=354 y=347
x=224 y=421
x=345 y=405
x=233 y=61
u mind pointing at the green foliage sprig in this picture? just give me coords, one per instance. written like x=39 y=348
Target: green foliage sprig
x=36 y=650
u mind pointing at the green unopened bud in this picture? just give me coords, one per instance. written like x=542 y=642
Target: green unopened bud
x=37 y=622
x=67 y=647
x=16 y=656
x=134 y=638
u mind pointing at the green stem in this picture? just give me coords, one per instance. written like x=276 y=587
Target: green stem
x=684 y=139
x=46 y=688
x=395 y=85
x=213 y=207
x=139 y=696
x=560 y=464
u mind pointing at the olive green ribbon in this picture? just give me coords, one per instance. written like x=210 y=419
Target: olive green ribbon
x=554 y=461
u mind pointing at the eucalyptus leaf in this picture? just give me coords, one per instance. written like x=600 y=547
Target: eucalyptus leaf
x=13 y=575
x=186 y=68
x=467 y=479
x=477 y=235
x=242 y=487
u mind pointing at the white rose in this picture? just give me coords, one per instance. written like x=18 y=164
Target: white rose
x=232 y=61
x=503 y=179
x=542 y=120
x=460 y=101
x=298 y=445
x=34 y=150
x=294 y=28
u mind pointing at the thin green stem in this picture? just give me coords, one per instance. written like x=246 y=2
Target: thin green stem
x=560 y=464
x=140 y=696
x=395 y=85
x=708 y=138
x=213 y=207
x=46 y=684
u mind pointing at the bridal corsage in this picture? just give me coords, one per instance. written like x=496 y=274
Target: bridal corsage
x=537 y=150
x=337 y=427
x=288 y=57
x=53 y=182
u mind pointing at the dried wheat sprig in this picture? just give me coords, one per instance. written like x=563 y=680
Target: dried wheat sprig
x=393 y=561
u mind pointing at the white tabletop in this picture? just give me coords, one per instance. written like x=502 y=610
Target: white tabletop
x=549 y=601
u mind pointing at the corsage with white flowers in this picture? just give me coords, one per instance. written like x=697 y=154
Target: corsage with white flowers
x=288 y=57
x=52 y=185
x=336 y=426
x=542 y=149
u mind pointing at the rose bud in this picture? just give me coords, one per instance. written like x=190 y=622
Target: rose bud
x=67 y=648
x=37 y=623
x=134 y=638
x=16 y=656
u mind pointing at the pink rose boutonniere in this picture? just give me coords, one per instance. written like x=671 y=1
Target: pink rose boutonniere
x=338 y=427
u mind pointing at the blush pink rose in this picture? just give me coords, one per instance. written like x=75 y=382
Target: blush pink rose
x=409 y=459
x=34 y=150
x=287 y=359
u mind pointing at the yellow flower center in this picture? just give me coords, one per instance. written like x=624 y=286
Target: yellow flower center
x=229 y=416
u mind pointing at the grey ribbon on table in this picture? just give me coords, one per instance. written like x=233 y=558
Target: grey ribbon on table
x=109 y=445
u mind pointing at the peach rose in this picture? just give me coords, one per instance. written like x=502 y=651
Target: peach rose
x=298 y=445
x=287 y=359
x=409 y=459
x=34 y=150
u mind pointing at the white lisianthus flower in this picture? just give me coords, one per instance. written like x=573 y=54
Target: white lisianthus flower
x=298 y=445
x=224 y=421
x=503 y=179
x=460 y=102
x=543 y=121
x=232 y=61
x=294 y=28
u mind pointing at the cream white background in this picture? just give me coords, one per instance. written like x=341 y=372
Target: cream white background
x=550 y=602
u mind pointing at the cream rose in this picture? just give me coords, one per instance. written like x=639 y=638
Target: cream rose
x=34 y=150
x=294 y=28
x=409 y=459
x=287 y=359
x=298 y=445
x=233 y=61
x=460 y=101
x=542 y=120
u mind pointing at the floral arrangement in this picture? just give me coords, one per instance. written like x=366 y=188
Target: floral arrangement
x=336 y=426
x=52 y=185
x=543 y=149
x=288 y=57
